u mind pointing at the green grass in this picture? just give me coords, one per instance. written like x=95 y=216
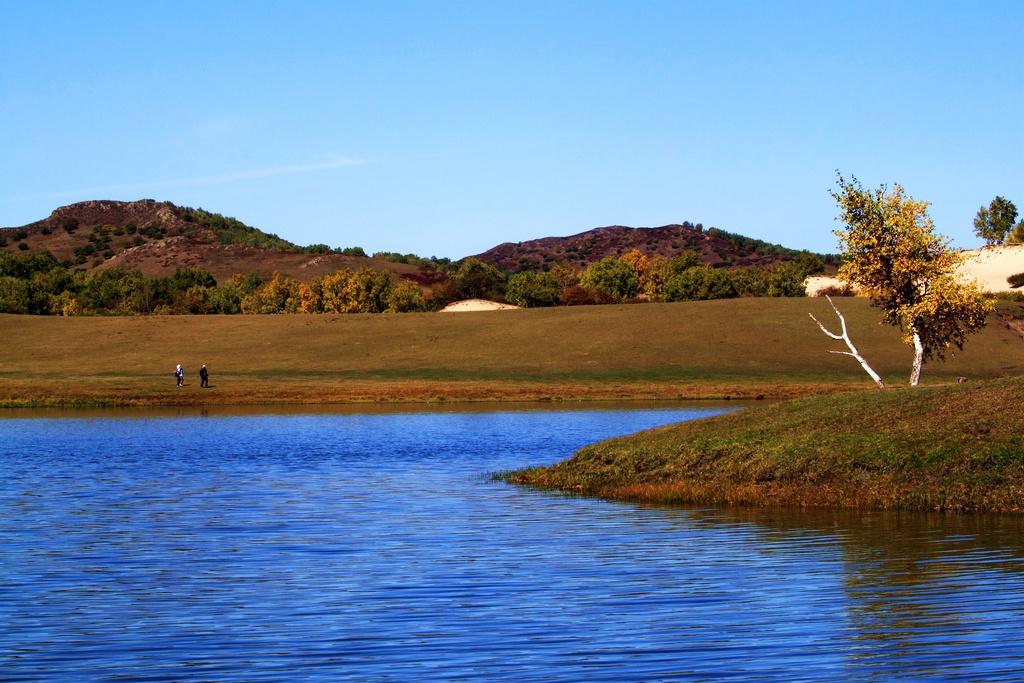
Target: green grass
x=957 y=447
x=740 y=347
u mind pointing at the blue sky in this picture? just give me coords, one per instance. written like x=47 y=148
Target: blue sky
x=445 y=128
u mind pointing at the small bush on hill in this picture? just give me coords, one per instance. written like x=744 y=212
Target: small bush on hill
x=153 y=231
x=1016 y=280
x=233 y=231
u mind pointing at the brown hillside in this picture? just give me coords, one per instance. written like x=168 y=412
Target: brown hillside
x=157 y=238
x=97 y=220
x=594 y=245
x=222 y=261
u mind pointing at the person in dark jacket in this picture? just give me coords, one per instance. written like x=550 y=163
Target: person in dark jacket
x=204 y=376
x=180 y=375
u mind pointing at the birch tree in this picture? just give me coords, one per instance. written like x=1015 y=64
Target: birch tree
x=891 y=252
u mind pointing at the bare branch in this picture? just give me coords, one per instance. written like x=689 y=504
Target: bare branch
x=845 y=336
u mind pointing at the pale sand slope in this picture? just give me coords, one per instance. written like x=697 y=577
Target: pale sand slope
x=476 y=305
x=990 y=266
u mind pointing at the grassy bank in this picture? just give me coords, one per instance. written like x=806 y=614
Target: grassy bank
x=958 y=447
x=740 y=348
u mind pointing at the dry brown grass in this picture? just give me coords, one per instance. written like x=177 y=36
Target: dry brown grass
x=739 y=348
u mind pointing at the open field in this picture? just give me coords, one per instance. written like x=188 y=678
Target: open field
x=955 y=447
x=741 y=348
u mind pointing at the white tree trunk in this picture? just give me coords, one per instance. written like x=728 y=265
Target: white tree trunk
x=849 y=344
x=915 y=373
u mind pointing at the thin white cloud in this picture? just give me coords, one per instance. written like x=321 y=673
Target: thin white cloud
x=206 y=180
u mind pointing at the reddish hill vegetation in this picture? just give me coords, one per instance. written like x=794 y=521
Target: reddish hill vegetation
x=715 y=247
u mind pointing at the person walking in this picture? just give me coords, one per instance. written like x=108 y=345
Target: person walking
x=180 y=374
x=204 y=377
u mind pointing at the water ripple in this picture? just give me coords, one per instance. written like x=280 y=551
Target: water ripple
x=374 y=547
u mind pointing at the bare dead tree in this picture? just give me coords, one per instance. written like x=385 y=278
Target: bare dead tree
x=845 y=336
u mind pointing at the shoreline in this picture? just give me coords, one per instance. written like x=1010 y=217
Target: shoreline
x=956 y=448
x=120 y=394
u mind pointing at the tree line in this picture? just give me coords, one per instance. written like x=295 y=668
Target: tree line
x=38 y=284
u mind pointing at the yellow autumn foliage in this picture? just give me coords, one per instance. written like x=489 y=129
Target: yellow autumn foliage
x=891 y=252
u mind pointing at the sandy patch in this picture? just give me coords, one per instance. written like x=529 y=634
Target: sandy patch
x=990 y=266
x=476 y=305
x=816 y=283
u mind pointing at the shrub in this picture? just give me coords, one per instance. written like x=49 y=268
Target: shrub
x=612 y=276
x=578 y=295
x=405 y=297
x=228 y=297
x=153 y=231
x=70 y=225
x=14 y=295
x=441 y=294
x=837 y=290
x=195 y=300
x=19 y=235
x=1016 y=280
x=478 y=280
x=700 y=284
x=532 y=290
x=22 y=246
x=280 y=295
x=344 y=291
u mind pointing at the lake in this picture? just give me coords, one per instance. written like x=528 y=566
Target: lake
x=373 y=545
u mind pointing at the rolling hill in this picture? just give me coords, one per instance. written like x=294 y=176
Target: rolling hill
x=158 y=237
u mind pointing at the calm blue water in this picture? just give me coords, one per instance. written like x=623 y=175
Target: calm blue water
x=375 y=547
